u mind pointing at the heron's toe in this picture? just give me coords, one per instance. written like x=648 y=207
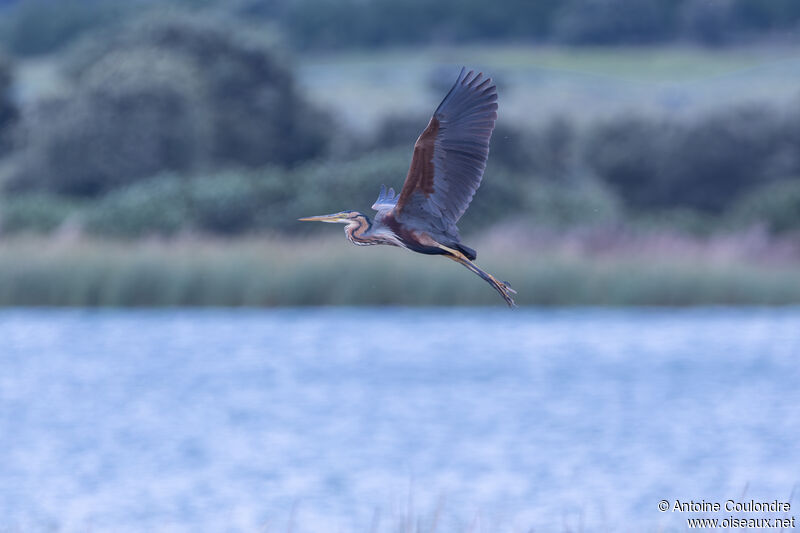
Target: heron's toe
x=507 y=286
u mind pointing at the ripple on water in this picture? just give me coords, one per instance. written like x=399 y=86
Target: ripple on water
x=236 y=420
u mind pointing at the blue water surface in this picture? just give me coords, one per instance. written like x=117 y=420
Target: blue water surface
x=360 y=420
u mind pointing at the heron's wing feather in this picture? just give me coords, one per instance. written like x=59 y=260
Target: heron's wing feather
x=386 y=199
x=450 y=155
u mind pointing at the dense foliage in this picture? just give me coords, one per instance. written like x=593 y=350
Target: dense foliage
x=9 y=114
x=347 y=23
x=168 y=94
x=40 y=26
x=776 y=205
x=183 y=123
x=704 y=164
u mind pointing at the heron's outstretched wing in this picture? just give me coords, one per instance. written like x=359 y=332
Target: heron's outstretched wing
x=450 y=155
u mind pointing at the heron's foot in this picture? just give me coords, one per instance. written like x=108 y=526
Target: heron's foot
x=505 y=291
x=503 y=287
x=510 y=301
x=507 y=286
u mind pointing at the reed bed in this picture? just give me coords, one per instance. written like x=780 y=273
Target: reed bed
x=274 y=272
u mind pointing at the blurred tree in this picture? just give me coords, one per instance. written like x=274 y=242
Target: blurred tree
x=396 y=131
x=628 y=154
x=581 y=203
x=9 y=114
x=766 y=15
x=776 y=205
x=258 y=113
x=135 y=113
x=352 y=23
x=615 y=21
x=174 y=93
x=717 y=158
x=554 y=150
x=704 y=164
x=41 y=26
x=513 y=148
x=710 y=23
x=343 y=23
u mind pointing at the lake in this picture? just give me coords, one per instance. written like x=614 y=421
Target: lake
x=360 y=420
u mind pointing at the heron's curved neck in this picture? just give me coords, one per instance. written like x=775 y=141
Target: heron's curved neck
x=357 y=230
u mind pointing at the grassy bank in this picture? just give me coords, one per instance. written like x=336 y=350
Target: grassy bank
x=265 y=272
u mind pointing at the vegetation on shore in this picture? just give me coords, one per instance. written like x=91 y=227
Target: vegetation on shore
x=146 y=137
x=159 y=136
x=274 y=272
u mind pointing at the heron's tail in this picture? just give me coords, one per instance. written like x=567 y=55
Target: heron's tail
x=467 y=251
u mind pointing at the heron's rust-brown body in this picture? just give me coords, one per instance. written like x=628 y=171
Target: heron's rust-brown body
x=417 y=240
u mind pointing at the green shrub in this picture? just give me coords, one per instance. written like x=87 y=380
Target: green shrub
x=34 y=213
x=156 y=206
x=775 y=205
x=580 y=203
x=680 y=220
x=241 y=202
x=233 y=202
x=704 y=164
x=719 y=157
x=221 y=203
x=550 y=151
x=328 y=186
x=628 y=153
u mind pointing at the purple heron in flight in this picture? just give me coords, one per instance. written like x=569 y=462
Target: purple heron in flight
x=446 y=170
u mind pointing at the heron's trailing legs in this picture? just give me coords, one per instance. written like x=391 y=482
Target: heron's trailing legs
x=502 y=287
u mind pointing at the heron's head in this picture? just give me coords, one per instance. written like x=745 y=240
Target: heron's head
x=344 y=217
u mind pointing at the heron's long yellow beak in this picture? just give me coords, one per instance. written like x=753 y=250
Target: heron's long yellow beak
x=336 y=217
